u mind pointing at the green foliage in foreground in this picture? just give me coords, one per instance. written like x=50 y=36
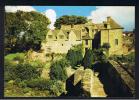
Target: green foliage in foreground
x=57 y=70
x=25 y=71
x=9 y=70
x=15 y=56
x=53 y=86
x=74 y=55
x=88 y=59
x=92 y=56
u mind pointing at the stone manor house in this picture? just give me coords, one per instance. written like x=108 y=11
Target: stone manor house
x=90 y=35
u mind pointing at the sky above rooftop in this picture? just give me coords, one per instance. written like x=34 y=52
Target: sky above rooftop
x=124 y=15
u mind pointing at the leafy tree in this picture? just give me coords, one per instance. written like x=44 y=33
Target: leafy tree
x=88 y=59
x=25 y=71
x=57 y=70
x=69 y=20
x=25 y=30
x=74 y=55
x=9 y=70
x=99 y=56
x=93 y=56
x=53 y=86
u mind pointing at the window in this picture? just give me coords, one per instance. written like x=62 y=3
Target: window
x=61 y=36
x=62 y=44
x=116 y=41
x=50 y=36
x=86 y=42
x=56 y=37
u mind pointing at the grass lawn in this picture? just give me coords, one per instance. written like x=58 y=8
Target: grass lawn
x=14 y=55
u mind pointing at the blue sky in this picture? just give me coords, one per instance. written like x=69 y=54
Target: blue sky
x=123 y=15
x=68 y=10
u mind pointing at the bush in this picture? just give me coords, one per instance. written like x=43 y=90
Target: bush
x=19 y=58
x=92 y=56
x=57 y=70
x=53 y=86
x=74 y=55
x=25 y=71
x=99 y=56
x=88 y=59
x=9 y=71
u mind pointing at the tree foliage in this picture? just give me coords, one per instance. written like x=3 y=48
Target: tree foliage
x=58 y=71
x=25 y=71
x=53 y=86
x=92 y=56
x=69 y=20
x=88 y=58
x=74 y=55
x=24 y=30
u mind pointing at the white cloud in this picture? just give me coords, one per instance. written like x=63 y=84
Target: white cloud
x=124 y=15
x=51 y=14
x=16 y=8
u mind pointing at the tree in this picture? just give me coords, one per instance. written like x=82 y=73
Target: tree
x=58 y=71
x=25 y=30
x=69 y=20
x=74 y=55
x=88 y=58
x=106 y=47
x=25 y=71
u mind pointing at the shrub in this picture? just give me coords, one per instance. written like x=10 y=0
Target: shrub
x=25 y=71
x=74 y=55
x=99 y=56
x=88 y=58
x=19 y=58
x=92 y=56
x=57 y=70
x=9 y=71
x=22 y=84
x=53 y=86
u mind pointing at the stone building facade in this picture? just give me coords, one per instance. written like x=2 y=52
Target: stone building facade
x=90 y=35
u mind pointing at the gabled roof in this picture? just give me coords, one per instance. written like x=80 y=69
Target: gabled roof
x=77 y=33
x=66 y=32
x=113 y=24
x=55 y=32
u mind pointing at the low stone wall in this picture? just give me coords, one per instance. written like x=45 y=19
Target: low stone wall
x=78 y=75
x=86 y=82
x=121 y=78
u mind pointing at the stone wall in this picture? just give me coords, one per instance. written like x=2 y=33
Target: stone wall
x=109 y=36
